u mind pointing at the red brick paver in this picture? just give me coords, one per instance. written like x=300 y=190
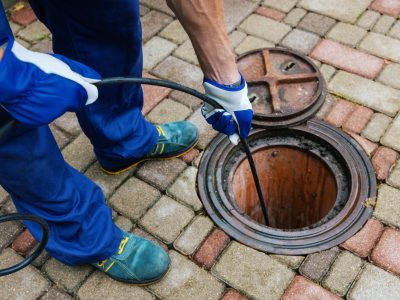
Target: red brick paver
x=271 y=13
x=153 y=95
x=389 y=7
x=24 y=243
x=232 y=294
x=348 y=59
x=190 y=156
x=358 y=119
x=303 y=289
x=368 y=146
x=383 y=160
x=340 y=112
x=211 y=248
x=24 y=16
x=362 y=243
x=387 y=252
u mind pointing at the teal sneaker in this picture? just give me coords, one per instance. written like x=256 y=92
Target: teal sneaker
x=174 y=140
x=137 y=261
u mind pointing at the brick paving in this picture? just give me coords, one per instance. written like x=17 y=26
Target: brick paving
x=357 y=46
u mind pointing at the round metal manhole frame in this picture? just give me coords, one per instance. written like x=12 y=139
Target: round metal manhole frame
x=295 y=242
x=267 y=67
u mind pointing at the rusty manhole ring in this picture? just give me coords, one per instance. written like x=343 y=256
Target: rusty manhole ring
x=315 y=179
x=286 y=88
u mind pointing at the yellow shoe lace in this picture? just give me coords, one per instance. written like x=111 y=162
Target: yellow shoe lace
x=121 y=248
x=160 y=133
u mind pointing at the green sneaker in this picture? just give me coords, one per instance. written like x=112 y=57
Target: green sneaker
x=138 y=261
x=174 y=140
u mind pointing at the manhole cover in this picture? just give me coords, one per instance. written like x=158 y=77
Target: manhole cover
x=285 y=87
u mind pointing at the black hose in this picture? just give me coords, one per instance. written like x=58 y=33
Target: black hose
x=40 y=247
x=205 y=98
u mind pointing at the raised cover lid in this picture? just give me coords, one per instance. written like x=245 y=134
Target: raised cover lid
x=285 y=87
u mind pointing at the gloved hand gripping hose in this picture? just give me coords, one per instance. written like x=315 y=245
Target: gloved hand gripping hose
x=205 y=98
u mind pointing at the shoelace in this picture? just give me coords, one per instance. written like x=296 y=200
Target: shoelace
x=121 y=248
x=155 y=151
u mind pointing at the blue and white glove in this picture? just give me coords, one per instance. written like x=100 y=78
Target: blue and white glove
x=237 y=113
x=37 y=88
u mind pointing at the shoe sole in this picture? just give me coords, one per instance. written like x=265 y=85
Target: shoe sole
x=147 y=159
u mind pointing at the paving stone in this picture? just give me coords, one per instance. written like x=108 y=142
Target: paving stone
x=166 y=219
x=177 y=70
x=155 y=50
x=316 y=265
x=65 y=276
x=144 y=10
x=195 y=233
x=384 y=24
x=387 y=207
x=101 y=287
x=394 y=177
x=368 y=19
x=382 y=161
x=124 y=223
x=252 y=43
x=148 y=236
x=389 y=7
x=347 y=34
x=107 y=183
x=184 y=189
x=161 y=173
x=152 y=95
x=395 y=31
x=24 y=16
x=187 y=53
x=382 y=46
x=232 y=294
x=14 y=27
x=206 y=132
x=265 y=28
x=153 y=22
x=368 y=146
x=61 y=138
x=134 y=198
x=34 y=33
x=27 y=284
x=358 y=119
x=185 y=281
x=190 y=156
x=253 y=273
x=68 y=123
x=175 y=33
x=376 y=127
x=387 y=252
x=196 y=163
x=3 y=195
x=294 y=16
x=343 y=10
x=340 y=112
x=348 y=59
x=392 y=135
x=327 y=71
x=343 y=272
x=44 y=46
x=282 y=5
x=236 y=38
x=160 y=5
x=41 y=259
x=292 y=261
x=366 y=92
x=390 y=75
x=79 y=154
x=212 y=247
x=303 y=289
x=375 y=284
x=236 y=11
x=330 y=101
x=24 y=243
x=55 y=294
x=168 y=111
x=270 y=13
x=300 y=40
x=316 y=23
x=9 y=231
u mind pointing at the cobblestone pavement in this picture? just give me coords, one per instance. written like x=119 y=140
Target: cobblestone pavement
x=356 y=44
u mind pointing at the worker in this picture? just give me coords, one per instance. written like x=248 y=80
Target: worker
x=94 y=39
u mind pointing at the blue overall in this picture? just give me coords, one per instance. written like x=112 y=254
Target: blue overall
x=105 y=35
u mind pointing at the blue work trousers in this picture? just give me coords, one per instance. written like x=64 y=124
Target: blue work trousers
x=105 y=35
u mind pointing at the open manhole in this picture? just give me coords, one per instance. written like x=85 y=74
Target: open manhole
x=315 y=179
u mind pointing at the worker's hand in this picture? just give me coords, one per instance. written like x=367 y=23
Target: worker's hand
x=237 y=113
x=37 y=88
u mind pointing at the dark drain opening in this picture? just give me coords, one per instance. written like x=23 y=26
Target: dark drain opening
x=300 y=188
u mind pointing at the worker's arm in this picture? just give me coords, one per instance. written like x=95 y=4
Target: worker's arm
x=204 y=22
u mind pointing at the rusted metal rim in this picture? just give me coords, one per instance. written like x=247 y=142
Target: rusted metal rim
x=355 y=181
x=286 y=87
